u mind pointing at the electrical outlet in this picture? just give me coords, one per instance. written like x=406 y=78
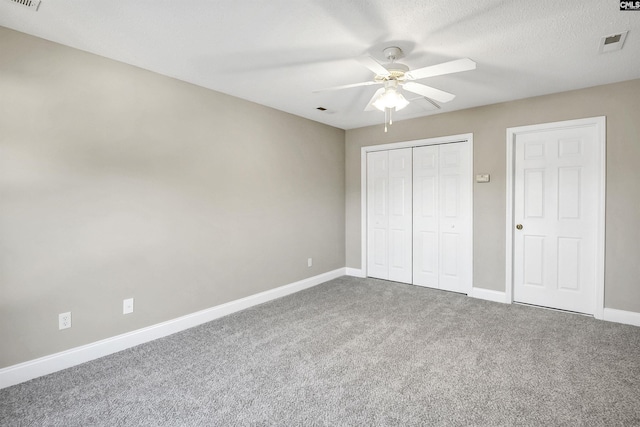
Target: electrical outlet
x=127 y=306
x=309 y=262
x=64 y=320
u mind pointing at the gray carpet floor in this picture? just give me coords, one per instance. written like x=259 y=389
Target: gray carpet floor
x=355 y=352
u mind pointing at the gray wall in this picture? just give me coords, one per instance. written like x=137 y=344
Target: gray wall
x=620 y=103
x=116 y=182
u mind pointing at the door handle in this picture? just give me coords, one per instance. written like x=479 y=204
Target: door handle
x=519 y=226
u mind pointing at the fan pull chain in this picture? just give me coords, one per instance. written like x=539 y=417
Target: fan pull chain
x=388 y=118
x=385 y=119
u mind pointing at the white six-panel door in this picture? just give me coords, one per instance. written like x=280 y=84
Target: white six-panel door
x=389 y=206
x=555 y=211
x=419 y=216
x=442 y=217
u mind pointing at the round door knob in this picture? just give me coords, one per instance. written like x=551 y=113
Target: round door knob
x=519 y=226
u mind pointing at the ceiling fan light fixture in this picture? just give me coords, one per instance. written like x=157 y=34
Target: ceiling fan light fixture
x=390 y=99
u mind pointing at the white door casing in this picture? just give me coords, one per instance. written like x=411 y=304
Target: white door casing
x=557 y=215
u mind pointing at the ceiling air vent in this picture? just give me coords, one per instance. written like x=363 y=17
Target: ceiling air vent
x=325 y=110
x=612 y=42
x=31 y=4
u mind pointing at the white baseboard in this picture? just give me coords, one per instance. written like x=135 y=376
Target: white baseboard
x=489 y=295
x=355 y=272
x=621 y=316
x=16 y=374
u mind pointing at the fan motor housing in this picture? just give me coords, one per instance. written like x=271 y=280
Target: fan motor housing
x=396 y=71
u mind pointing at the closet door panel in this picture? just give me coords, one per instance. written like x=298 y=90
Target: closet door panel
x=377 y=214
x=400 y=215
x=455 y=217
x=426 y=201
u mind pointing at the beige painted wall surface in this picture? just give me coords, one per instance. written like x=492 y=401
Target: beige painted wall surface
x=116 y=182
x=619 y=102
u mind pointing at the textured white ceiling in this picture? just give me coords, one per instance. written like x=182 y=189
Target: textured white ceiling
x=277 y=52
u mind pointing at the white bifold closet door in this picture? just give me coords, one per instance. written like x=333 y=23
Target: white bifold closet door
x=389 y=206
x=419 y=216
x=442 y=245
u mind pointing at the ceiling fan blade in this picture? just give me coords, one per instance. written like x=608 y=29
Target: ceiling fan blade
x=450 y=67
x=429 y=92
x=373 y=65
x=375 y=96
x=347 y=86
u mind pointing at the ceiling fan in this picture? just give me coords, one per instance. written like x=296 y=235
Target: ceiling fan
x=395 y=76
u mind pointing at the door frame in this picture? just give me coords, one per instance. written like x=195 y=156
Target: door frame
x=466 y=137
x=599 y=123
